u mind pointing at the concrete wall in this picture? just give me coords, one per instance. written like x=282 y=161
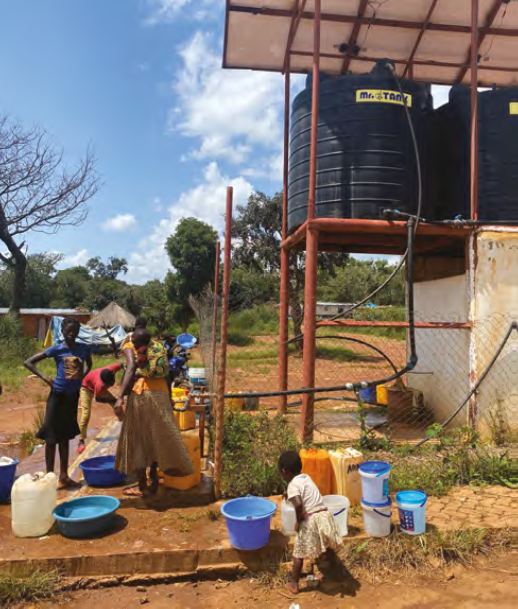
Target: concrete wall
x=495 y=307
x=443 y=370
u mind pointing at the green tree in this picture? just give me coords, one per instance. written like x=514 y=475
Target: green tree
x=192 y=252
x=155 y=306
x=257 y=232
x=71 y=287
x=39 y=278
x=111 y=270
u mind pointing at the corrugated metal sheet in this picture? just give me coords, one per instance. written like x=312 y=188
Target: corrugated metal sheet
x=56 y=312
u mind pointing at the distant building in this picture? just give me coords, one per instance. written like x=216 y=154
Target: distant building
x=326 y=310
x=35 y=322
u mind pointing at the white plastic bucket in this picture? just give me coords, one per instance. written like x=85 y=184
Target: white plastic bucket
x=339 y=507
x=376 y=518
x=375 y=483
x=412 y=511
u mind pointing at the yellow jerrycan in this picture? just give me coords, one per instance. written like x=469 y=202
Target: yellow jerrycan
x=317 y=465
x=191 y=439
x=346 y=476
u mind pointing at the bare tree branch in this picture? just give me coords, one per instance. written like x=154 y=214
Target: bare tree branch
x=37 y=192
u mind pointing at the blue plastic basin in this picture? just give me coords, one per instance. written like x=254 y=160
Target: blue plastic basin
x=101 y=472
x=7 y=475
x=86 y=516
x=248 y=521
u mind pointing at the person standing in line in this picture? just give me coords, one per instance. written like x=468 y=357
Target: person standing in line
x=73 y=361
x=149 y=437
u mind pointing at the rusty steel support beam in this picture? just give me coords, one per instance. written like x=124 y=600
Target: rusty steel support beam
x=285 y=255
x=474 y=108
x=225 y=40
x=353 y=39
x=406 y=62
x=493 y=13
x=445 y=325
x=298 y=236
x=410 y=65
x=294 y=26
x=222 y=373
x=310 y=290
x=310 y=331
x=215 y=312
x=390 y=23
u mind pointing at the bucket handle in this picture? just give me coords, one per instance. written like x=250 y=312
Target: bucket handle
x=382 y=514
x=340 y=512
x=424 y=502
x=382 y=473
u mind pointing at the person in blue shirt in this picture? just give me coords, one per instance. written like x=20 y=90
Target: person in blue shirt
x=73 y=363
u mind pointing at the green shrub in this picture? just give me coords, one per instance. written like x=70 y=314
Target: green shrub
x=239 y=338
x=261 y=320
x=12 y=342
x=252 y=445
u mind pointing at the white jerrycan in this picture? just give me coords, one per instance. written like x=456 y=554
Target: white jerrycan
x=33 y=500
x=288 y=518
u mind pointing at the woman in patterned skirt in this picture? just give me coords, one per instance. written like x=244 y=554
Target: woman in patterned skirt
x=149 y=437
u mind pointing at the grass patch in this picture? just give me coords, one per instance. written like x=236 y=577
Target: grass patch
x=337 y=354
x=380 y=558
x=213 y=515
x=252 y=445
x=31 y=587
x=458 y=459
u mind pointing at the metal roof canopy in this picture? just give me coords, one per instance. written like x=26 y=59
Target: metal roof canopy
x=429 y=40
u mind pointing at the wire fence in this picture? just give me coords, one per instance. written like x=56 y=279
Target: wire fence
x=466 y=374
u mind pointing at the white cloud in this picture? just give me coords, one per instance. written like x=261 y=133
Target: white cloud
x=80 y=258
x=168 y=10
x=231 y=112
x=206 y=201
x=120 y=223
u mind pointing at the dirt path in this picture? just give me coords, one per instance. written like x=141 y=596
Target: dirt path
x=488 y=585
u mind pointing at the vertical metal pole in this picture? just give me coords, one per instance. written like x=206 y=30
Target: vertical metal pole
x=474 y=109
x=220 y=410
x=474 y=189
x=310 y=293
x=285 y=254
x=215 y=312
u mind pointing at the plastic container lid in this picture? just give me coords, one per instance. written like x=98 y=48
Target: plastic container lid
x=375 y=468
x=411 y=498
x=377 y=506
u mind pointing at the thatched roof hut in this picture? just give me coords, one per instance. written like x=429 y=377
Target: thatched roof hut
x=113 y=315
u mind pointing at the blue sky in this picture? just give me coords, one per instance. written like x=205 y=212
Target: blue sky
x=140 y=81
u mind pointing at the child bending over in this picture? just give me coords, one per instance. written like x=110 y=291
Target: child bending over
x=317 y=532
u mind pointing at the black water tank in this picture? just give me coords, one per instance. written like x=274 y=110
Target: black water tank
x=497 y=150
x=366 y=160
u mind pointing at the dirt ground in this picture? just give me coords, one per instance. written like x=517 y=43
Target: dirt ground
x=17 y=413
x=489 y=584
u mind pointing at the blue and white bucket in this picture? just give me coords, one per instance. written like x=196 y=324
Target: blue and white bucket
x=375 y=483
x=412 y=511
x=377 y=518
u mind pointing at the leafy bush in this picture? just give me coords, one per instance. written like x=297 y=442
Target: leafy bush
x=12 y=342
x=252 y=445
x=240 y=338
x=261 y=320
